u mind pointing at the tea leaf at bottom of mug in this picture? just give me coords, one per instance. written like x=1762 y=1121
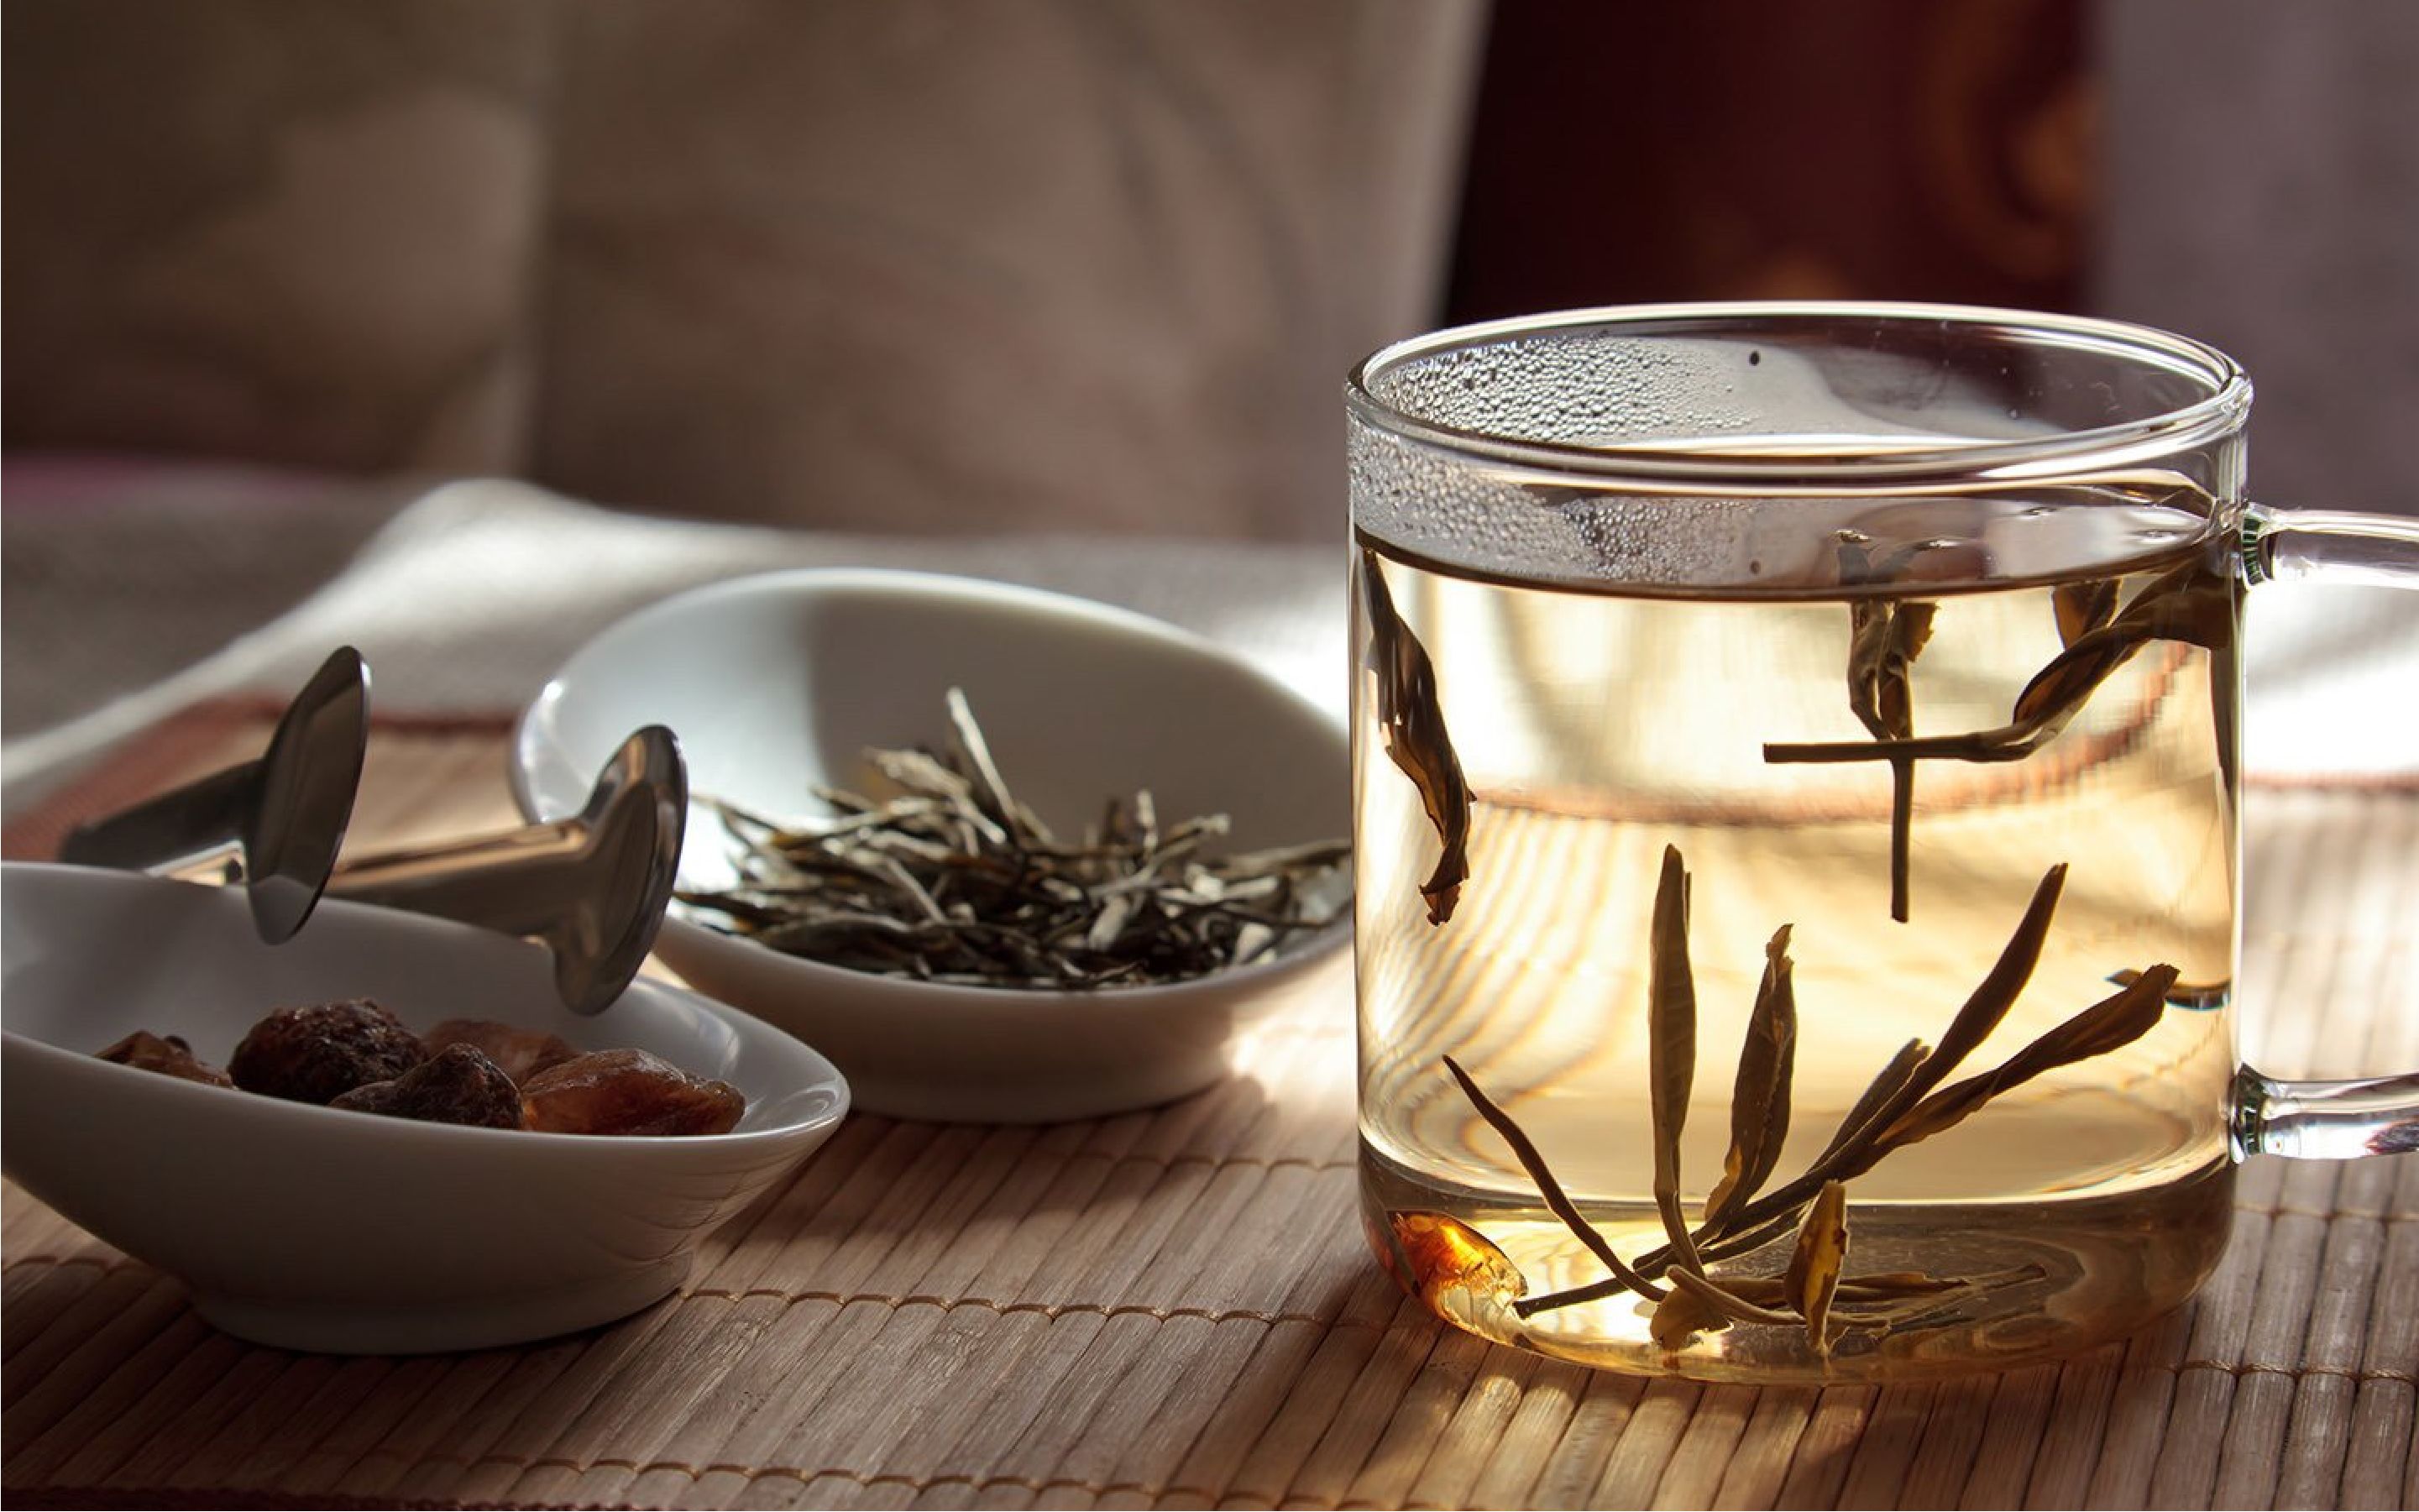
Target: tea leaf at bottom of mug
x=1446 y=1254
x=1720 y=1297
x=1813 y=1275
x=1681 y=1316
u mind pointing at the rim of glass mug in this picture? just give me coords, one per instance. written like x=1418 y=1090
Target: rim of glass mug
x=2221 y=410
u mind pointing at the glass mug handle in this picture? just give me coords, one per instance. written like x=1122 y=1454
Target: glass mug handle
x=2327 y=1120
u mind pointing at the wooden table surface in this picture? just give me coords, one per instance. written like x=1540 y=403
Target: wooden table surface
x=1176 y=1308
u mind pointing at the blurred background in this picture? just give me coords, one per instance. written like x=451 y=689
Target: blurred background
x=1100 y=265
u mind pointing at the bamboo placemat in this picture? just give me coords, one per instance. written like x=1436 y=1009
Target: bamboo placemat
x=1175 y=1309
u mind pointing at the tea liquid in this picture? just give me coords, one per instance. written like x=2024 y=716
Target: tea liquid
x=1595 y=729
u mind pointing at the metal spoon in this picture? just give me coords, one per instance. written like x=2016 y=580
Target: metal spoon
x=283 y=816
x=592 y=886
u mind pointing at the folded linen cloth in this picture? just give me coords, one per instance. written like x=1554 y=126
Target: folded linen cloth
x=469 y=597
x=472 y=596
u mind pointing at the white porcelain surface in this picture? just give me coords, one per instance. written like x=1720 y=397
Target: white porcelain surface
x=776 y=682
x=313 y=1229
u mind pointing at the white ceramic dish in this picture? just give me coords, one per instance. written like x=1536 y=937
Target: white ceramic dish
x=778 y=682
x=312 y=1228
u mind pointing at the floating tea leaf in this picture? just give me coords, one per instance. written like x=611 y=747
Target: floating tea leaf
x=2189 y=605
x=2082 y=607
x=1416 y=740
x=1884 y=636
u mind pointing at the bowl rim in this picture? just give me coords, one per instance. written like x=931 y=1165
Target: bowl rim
x=313 y=1116
x=677 y=929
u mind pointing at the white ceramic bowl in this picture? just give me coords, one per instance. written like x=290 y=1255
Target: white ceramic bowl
x=778 y=682
x=313 y=1229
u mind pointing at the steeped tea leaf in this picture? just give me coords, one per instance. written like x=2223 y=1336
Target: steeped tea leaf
x=2082 y=607
x=1900 y=1105
x=1884 y=636
x=2111 y=1024
x=1997 y=992
x=1760 y=1096
x=1447 y=1256
x=1721 y=1299
x=2199 y=997
x=1557 y=1201
x=1415 y=735
x=2189 y=605
x=1671 y=1045
x=1885 y=1085
x=1814 y=1265
x=1681 y=1316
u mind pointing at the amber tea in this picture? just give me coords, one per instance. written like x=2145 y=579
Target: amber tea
x=1821 y=974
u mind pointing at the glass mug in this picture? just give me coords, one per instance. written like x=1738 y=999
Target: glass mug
x=1795 y=818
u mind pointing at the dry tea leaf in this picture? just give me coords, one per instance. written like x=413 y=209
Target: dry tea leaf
x=1814 y=1266
x=1760 y=1096
x=954 y=880
x=989 y=790
x=1416 y=740
x=1671 y=1045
